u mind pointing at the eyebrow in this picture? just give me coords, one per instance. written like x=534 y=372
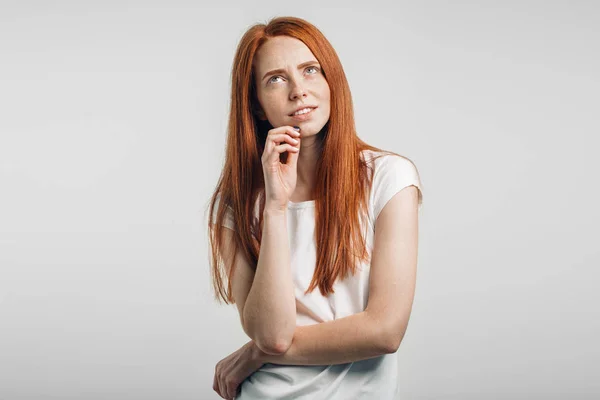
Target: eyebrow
x=280 y=70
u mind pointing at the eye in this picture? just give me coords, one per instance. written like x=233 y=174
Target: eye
x=270 y=80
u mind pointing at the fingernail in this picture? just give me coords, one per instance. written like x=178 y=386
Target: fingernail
x=297 y=128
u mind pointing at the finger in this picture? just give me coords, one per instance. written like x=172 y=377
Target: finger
x=215 y=384
x=229 y=383
x=229 y=389
x=282 y=148
x=277 y=150
x=286 y=131
x=279 y=140
x=292 y=160
x=224 y=393
x=276 y=137
x=283 y=129
x=220 y=392
x=220 y=386
x=284 y=137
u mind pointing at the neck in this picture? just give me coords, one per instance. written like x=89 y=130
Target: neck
x=310 y=152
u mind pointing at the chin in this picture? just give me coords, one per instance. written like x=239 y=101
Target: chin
x=309 y=129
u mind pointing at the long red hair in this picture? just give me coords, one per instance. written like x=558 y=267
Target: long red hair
x=343 y=180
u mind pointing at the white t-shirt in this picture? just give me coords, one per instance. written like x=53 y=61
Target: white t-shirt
x=374 y=378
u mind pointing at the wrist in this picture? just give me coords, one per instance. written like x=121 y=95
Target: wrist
x=256 y=354
x=272 y=210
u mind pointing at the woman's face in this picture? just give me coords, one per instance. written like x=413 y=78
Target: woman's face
x=288 y=77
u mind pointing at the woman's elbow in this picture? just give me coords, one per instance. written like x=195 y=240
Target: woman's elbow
x=270 y=341
x=391 y=338
x=391 y=344
x=274 y=344
x=274 y=347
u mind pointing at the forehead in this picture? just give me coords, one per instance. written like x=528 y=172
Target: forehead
x=281 y=52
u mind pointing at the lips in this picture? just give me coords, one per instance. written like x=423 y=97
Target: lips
x=303 y=117
x=302 y=108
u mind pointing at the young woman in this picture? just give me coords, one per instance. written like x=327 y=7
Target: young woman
x=317 y=243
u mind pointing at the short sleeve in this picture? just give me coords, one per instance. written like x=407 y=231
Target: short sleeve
x=228 y=219
x=392 y=174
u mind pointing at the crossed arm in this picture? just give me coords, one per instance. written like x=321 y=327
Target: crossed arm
x=353 y=338
x=378 y=329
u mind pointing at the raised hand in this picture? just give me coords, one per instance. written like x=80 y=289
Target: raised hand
x=280 y=178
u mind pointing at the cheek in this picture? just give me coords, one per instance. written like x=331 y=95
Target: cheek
x=326 y=94
x=325 y=90
x=265 y=103
x=272 y=107
x=327 y=101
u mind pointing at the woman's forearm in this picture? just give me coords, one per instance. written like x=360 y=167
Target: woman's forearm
x=270 y=308
x=353 y=338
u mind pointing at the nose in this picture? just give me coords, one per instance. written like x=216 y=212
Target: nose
x=297 y=92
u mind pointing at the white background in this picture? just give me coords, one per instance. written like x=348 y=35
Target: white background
x=112 y=134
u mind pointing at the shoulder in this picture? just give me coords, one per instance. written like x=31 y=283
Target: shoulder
x=385 y=160
x=392 y=172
